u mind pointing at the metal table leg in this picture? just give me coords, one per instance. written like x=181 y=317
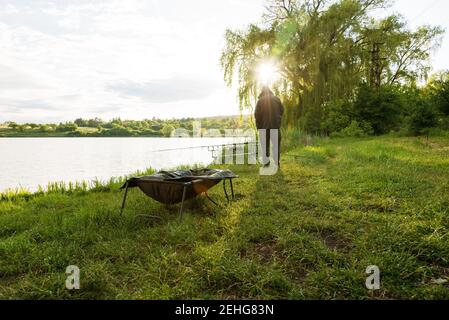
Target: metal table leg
x=232 y=189
x=184 y=191
x=210 y=199
x=224 y=188
x=124 y=199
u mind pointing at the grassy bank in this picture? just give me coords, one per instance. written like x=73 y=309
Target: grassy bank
x=336 y=207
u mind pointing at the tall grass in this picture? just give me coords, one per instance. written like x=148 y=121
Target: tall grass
x=292 y=138
x=79 y=187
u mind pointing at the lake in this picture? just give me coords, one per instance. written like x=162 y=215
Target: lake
x=30 y=162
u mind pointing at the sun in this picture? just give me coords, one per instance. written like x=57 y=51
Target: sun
x=267 y=73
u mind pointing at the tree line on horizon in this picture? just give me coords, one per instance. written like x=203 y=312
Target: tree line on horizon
x=342 y=71
x=97 y=127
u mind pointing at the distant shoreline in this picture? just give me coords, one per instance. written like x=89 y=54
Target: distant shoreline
x=118 y=137
x=117 y=128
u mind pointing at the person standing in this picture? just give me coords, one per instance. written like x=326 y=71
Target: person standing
x=268 y=114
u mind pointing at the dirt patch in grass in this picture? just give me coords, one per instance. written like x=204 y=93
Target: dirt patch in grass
x=307 y=141
x=298 y=274
x=375 y=207
x=148 y=220
x=334 y=241
x=265 y=252
x=442 y=272
x=184 y=248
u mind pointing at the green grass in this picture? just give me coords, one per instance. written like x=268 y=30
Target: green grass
x=6 y=132
x=336 y=207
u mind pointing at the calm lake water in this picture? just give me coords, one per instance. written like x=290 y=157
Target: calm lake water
x=30 y=162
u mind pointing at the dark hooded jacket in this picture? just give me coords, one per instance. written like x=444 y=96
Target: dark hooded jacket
x=269 y=111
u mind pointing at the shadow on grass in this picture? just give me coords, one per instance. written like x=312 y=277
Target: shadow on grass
x=250 y=258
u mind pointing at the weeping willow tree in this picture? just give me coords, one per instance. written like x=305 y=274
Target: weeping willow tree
x=324 y=49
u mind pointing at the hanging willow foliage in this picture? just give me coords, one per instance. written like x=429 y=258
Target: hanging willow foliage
x=324 y=50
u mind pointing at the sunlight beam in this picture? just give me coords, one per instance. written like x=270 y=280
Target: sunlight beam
x=267 y=73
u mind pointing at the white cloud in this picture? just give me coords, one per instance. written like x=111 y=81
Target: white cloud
x=177 y=88
x=61 y=60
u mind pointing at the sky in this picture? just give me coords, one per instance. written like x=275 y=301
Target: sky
x=134 y=59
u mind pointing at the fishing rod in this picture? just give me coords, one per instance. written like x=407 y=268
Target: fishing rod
x=208 y=146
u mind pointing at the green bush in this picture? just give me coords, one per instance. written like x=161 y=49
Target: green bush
x=66 y=127
x=371 y=111
x=312 y=121
x=151 y=133
x=75 y=133
x=13 y=125
x=338 y=116
x=425 y=116
x=81 y=122
x=380 y=107
x=45 y=128
x=355 y=129
x=438 y=88
x=118 y=131
x=444 y=123
x=437 y=132
x=167 y=130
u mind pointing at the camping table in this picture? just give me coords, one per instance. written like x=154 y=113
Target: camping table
x=188 y=188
